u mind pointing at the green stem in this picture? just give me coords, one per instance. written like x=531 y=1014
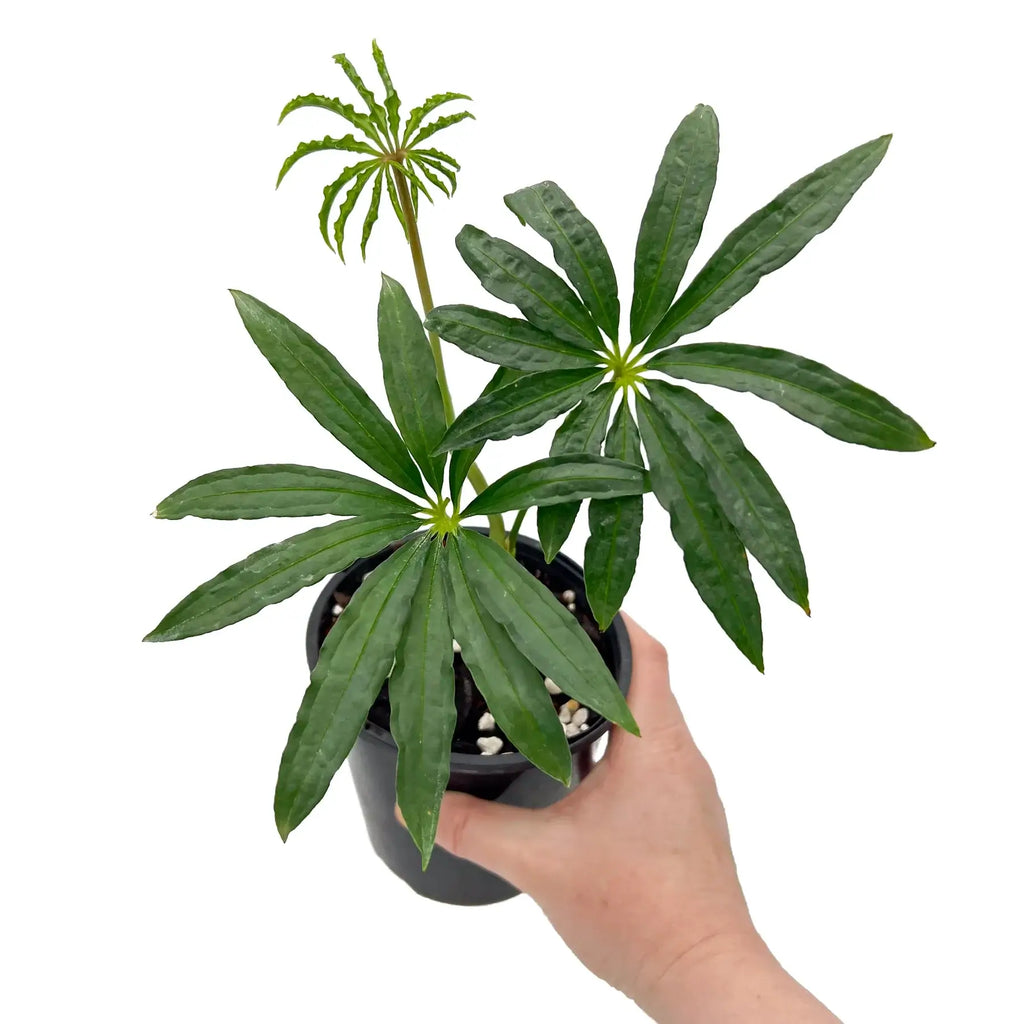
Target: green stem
x=513 y=534
x=476 y=478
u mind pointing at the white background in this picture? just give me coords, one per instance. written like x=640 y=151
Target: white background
x=872 y=777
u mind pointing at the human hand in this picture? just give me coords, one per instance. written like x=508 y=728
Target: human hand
x=635 y=871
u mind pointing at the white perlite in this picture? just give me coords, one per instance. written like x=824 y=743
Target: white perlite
x=456 y=647
x=580 y=715
x=571 y=730
x=337 y=610
x=565 y=714
x=571 y=606
x=489 y=745
x=486 y=723
x=552 y=687
x=568 y=596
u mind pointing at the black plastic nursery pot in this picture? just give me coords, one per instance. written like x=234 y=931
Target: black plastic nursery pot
x=507 y=777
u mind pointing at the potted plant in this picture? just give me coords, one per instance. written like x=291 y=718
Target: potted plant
x=446 y=655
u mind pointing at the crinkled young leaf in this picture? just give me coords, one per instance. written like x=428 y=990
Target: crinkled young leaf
x=520 y=407
x=328 y=392
x=506 y=340
x=421 y=691
x=410 y=378
x=391 y=100
x=674 y=217
x=609 y=559
x=541 y=628
x=256 y=492
x=577 y=248
x=348 y=144
x=745 y=492
x=377 y=112
x=417 y=114
x=425 y=160
x=715 y=559
x=371 y=213
x=345 y=110
x=512 y=687
x=277 y=571
x=348 y=205
x=332 y=191
x=581 y=431
x=439 y=125
x=415 y=182
x=354 y=662
x=514 y=276
x=434 y=180
x=561 y=478
x=804 y=388
x=768 y=240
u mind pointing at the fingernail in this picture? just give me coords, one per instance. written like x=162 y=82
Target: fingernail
x=399 y=818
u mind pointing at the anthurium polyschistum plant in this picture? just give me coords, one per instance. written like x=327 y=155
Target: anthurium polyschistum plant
x=444 y=582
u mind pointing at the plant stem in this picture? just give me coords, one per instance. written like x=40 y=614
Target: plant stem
x=476 y=478
x=513 y=534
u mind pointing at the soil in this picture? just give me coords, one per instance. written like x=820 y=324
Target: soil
x=469 y=702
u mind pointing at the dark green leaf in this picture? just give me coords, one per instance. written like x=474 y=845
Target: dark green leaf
x=422 y=695
x=439 y=125
x=255 y=492
x=277 y=571
x=505 y=340
x=715 y=559
x=354 y=662
x=674 y=217
x=349 y=144
x=541 y=628
x=391 y=100
x=512 y=687
x=515 y=276
x=417 y=114
x=347 y=207
x=609 y=559
x=332 y=191
x=804 y=388
x=577 y=248
x=561 y=478
x=768 y=240
x=377 y=112
x=371 y=213
x=345 y=110
x=745 y=492
x=410 y=378
x=328 y=392
x=521 y=406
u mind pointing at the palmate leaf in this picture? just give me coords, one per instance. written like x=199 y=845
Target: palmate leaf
x=410 y=378
x=329 y=393
x=745 y=492
x=391 y=100
x=674 y=217
x=417 y=114
x=577 y=248
x=332 y=191
x=768 y=240
x=277 y=571
x=560 y=478
x=359 y=120
x=354 y=661
x=256 y=492
x=806 y=389
x=439 y=125
x=421 y=691
x=371 y=213
x=609 y=559
x=377 y=113
x=348 y=205
x=348 y=144
x=713 y=553
x=512 y=687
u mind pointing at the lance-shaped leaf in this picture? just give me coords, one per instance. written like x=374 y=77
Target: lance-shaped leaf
x=512 y=687
x=256 y=492
x=580 y=432
x=421 y=691
x=348 y=205
x=426 y=159
x=410 y=378
x=417 y=114
x=395 y=203
x=332 y=191
x=609 y=559
x=391 y=100
x=377 y=112
x=515 y=276
x=427 y=173
x=577 y=248
x=277 y=571
x=345 y=110
x=542 y=629
x=328 y=392
x=768 y=240
x=745 y=492
x=715 y=559
x=521 y=406
x=371 y=212
x=348 y=144
x=506 y=340
x=463 y=459
x=804 y=388
x=561 y=478
x=674 y=218
x=354 y=662
x=439 y=125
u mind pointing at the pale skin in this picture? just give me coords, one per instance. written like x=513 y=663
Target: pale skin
x=635 y=871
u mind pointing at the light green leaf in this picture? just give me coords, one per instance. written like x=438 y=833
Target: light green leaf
x=277 y=571
x=768 y=240
x=377 y=112
x=415 y=182
x=417 y=114
x=354 y=662
x=426 y=161
x=371 y=213
x=674 y=217
x=332 y=191
x=347 y=206
x=434 y=180
x=345 y=110
x=391 y=100
x=348 y=144
x=440 y=124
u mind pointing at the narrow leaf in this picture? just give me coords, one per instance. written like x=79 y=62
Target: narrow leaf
x=332 y=191
x=348 y=144
x=328 y=392
x=804 y=388
x=512 y=687
x=426 y=161
x=354 y=662
x=430 y=175
x=347 y=206
x=371 y=213
x=577 y=248
x=768 y=240
x=415 y=182
x=515 y=276
x=277 y=571
x=377 y=112
x=391 y=100
x=438 y=157
x=345 y=110
x=417 y=114
x=715 y=559
x=674 y=218
x=441 y=123
x=395 y=203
